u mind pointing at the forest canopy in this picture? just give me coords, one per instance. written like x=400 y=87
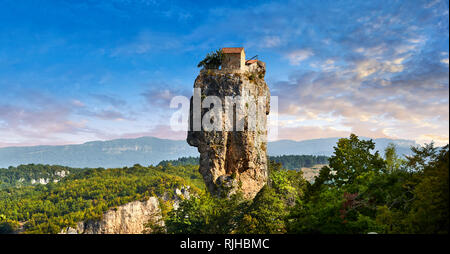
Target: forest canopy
x=357 y=191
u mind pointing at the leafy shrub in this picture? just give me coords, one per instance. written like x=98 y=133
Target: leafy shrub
x=212 y=60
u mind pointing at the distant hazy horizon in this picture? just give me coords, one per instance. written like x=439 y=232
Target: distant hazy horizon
x=180 y=139
x=151 y=150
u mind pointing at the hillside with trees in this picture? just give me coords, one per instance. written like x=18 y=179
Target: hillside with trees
x=358 y=192
x=293 y=162
x=27 y=175
x=86 y=196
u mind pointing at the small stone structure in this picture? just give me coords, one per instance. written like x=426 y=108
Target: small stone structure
x=233 y=58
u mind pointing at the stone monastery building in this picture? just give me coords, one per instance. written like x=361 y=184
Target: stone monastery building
x=234 y=59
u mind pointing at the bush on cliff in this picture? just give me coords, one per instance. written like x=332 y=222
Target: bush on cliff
x=212 y=60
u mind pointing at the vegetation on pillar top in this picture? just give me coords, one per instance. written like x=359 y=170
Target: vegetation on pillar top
x=213 y=60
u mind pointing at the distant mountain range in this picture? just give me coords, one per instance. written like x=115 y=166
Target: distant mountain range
x=150 y=150
x=325 y=146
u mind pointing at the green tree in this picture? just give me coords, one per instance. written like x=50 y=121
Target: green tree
x=393 y=162
x=352 y=157
x=206 y=214
x=212 y=60
x=266 y=214
x=430 y=208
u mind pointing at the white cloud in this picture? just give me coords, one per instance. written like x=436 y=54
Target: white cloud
x=372 y=96
x=271 y=41
x=297 y=56
x=439 y=140
x=368 y=67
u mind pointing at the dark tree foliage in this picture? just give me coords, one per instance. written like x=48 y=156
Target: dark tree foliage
x=87 y=195
x=360 y=192
x=296 y=162
x=267 y=213
x=353 y=157
x=206 y=214
x=212 y=60
x=180 y=161
x=293 y=162
x=357 y=193
x=24 y=175
x=430 y=207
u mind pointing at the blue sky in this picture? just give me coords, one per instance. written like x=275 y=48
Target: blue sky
x=76 y=71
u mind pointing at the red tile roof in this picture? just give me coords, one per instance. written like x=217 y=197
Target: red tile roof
x=251 y=61
x=232 y=50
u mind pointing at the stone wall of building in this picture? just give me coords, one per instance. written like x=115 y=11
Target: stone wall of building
x=231 y=61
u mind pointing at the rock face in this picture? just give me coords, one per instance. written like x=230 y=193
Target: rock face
x=179 y=195
x=131 y=217
x=233 y=159
x=126 y=219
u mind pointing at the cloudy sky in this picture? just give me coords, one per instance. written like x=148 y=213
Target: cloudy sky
x=76 y=71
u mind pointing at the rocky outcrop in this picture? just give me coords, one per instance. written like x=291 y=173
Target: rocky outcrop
x=176 y=197
x=126 y=219
x=130 y=218
x=233 y=159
